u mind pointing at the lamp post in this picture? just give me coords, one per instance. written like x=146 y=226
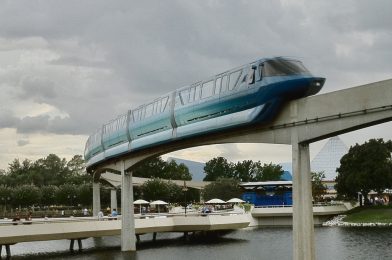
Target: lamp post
x=71 y=199
x=184 y=189
x=3 y=200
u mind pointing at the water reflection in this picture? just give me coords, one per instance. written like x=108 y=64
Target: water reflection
x=264 y=243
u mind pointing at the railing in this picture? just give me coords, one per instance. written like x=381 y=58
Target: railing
x=7 y=222
x=325 y=204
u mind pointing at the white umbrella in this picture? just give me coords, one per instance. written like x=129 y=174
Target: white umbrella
x=235 y=200
x=158 y=202
x=140 y=202
x=216 y=201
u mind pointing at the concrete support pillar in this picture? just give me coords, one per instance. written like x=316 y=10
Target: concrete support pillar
x=303 y=229
x=113 y=199
x=96 y=198
x=128 y=237
x=8 y=250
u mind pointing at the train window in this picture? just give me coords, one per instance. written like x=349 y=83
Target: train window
x=218 y=82
x=177 y=101
x=136 y=114
x=192 y=94
x=149 y=110
x=197 y=92
x=224 y=83
x=234 y=76
x=207 y=89
x=282 y=67
x=159 y=106
x=184 y=94
x=251 y=75
x=260 y=71
x=164 y=103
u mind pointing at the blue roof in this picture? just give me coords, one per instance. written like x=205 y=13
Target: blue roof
x=286 y=176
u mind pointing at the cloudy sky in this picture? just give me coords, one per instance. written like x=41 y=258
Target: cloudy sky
x=66 y=67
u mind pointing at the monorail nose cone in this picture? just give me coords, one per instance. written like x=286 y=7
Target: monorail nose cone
x=315 y=86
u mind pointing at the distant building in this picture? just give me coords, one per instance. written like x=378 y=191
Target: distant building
x=328 y=159
x=268 y=193
x=195 y=168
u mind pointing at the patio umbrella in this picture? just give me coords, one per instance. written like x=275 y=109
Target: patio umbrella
x=158 y=202
x=235 y=200
x=216 y=201
x=140 y=202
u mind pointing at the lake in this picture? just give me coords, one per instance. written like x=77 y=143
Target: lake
x=251 y=243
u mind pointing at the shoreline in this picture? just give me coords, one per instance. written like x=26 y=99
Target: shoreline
x=337 y=221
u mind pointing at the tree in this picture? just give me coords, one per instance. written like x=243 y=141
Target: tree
x=223 y=188
x=268 y=172
x=216 y=168
x=76 y=165
x=175 y=171
x=156 y=189
x=26 y=195
x=245 y=171
x=150 y=168
x=53 y=170
x=85 y=194
x=364 y=168
x=48 y=195
x=67 y=195
x=318 y=188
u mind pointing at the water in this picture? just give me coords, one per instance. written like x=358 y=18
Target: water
x=262 y=243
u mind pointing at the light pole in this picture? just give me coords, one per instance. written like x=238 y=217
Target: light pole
x=184 y=189
x=3 y=200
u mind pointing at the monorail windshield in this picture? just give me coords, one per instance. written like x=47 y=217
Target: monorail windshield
x=282 y=67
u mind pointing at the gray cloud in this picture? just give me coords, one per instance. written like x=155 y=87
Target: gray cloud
x=23 y=142
x=7 y=119
x=38 y=89
x=92 y=60
x=33 y=124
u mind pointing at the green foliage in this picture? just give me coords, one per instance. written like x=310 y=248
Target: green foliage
x=175 y=171
x=318 y=188
x=269 y=172
x=48 y=195
x=158 y=168
x=67 y=195
x=364 y=168
x=157 y=189
x=244 y=171
x=84 y=194
x=223 y=188
x=246 y=206
x=26 y=195
x=216 y=168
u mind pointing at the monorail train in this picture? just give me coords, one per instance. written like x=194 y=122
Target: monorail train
x=252 y=93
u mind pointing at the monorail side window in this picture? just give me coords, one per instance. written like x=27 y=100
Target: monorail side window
x=149 y=109
x=184 y=94
x=224 y=83
x=251 y=75
x=164 y=103
x=234 y=76
x=192 y=94
x=207 y=89
x=218 y=82
x=261 y=71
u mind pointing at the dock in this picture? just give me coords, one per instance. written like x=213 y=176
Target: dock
x=81 y=228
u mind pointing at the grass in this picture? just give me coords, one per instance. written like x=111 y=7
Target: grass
x=370 y=214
